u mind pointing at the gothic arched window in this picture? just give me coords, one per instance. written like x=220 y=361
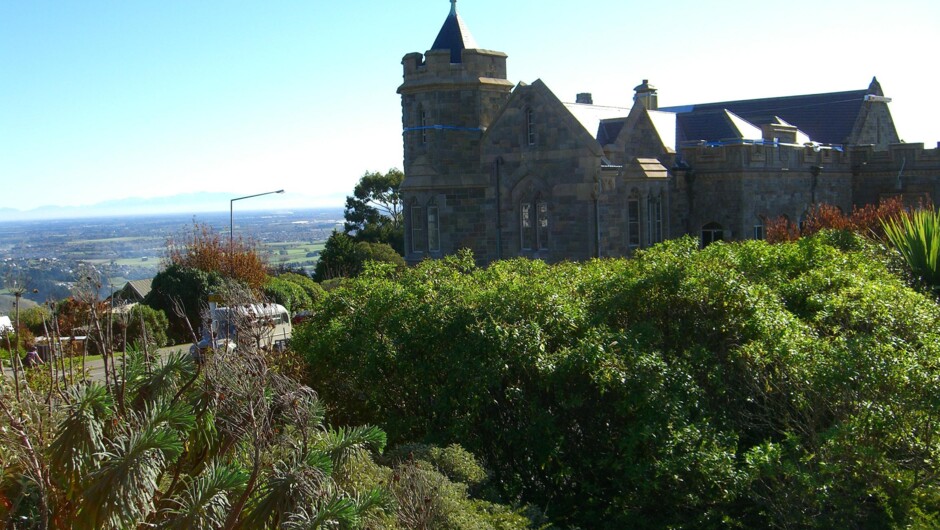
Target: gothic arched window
x=712 y=232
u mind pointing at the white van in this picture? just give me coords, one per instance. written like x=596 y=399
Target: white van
x=268 y=324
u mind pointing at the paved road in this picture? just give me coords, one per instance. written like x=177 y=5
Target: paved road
x=96 y=367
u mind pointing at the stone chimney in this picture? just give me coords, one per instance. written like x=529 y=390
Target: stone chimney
x=585 y=98
x=646 y=95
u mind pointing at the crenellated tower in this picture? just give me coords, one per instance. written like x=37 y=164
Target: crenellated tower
x=449 y=96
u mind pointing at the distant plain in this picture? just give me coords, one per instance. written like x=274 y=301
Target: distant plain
x=46 y=255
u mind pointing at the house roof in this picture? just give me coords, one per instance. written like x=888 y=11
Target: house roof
x=647 y=167
x=665 y=124
x=826 y=118
x=140 y=287
x=608 y=130
x=5 y=324
x=593 y=117
x=454 y=35
x=713 y=125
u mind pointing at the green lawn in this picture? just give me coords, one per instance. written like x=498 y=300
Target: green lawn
x=113 y=240
x=293 y=252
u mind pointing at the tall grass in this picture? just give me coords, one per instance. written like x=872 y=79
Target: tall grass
x=916 y=235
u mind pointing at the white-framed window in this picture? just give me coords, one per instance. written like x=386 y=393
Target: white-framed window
x=633 y=222
x=417 y=230
x=759 y=232
x=541 y=226
x=530 y=125
x=654 y=214
x=434 y=230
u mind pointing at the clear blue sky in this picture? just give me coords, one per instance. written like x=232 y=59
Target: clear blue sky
x=129 y=98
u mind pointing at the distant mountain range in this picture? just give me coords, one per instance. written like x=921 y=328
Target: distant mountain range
x=200 y=202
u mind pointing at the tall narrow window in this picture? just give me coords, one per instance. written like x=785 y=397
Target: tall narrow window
x=633 y=223
x=434 y=230
x=530 y=126
x=424 y=127
x=525 y=226
x=759 y=233
x=541 y=227
x=655 y=219
x=417 y=230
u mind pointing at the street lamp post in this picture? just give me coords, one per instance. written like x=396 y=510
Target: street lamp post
x=231 y=225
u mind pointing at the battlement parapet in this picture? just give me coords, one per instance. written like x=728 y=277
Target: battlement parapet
x=434 y=68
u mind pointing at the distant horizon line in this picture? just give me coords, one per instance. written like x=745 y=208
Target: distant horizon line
x=4 y=212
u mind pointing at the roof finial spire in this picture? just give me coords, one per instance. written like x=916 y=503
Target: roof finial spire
x=453 y=7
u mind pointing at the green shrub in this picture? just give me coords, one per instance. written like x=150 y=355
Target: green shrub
x=747 y=385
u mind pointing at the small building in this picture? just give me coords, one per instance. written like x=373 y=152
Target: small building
x=134 y=291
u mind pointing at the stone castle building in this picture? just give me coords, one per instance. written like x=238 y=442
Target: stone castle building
x=512 y=171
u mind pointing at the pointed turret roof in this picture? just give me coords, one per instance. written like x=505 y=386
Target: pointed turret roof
x=454 y=35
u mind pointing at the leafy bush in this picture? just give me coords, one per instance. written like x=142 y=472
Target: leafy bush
x=747 y=385
x=344 y=256
x=178 y=287
x=153 y=330
x=288 y=294
x=293 y=291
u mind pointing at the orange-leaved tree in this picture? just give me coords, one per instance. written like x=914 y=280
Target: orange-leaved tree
x=867 y=220
x=203 y=249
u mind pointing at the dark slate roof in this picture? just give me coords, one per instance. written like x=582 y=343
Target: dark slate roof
x=826 y=118
x=711 y=125
x=608 y=130
x=454 y=35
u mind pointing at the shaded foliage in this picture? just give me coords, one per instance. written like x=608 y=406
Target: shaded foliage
x=374 y=211
x=746 y=385
x=342 y=256
x=182 y=288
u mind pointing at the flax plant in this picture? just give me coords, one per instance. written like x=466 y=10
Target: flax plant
x=916 y=235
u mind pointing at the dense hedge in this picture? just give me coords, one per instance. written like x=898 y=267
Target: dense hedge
x=747 y=385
